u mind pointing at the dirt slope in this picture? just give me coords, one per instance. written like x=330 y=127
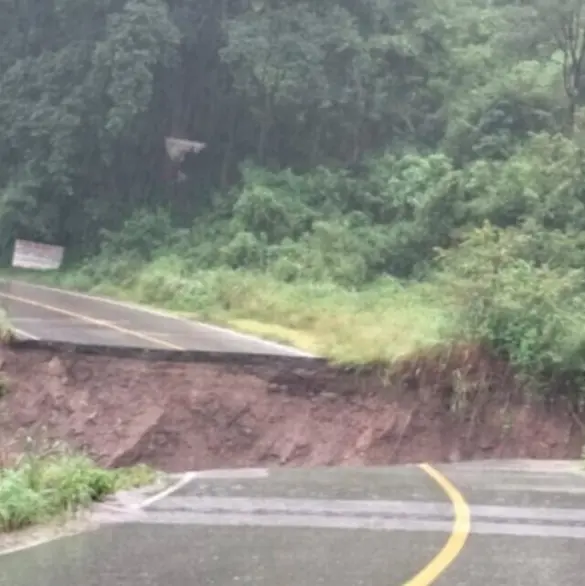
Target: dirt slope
x=180 y=416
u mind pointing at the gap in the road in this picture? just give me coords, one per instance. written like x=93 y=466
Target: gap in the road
x=197 y=415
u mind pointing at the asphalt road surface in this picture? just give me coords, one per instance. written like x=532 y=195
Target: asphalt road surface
x=476 y=524
x=46 y=313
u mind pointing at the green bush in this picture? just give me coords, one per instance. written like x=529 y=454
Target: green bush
x=20 y=504
x=39 y=487
x=330 y=225
x=542 y=181
x=244 y=250
x=530 y=313
x=143 y=233
x=350 y=227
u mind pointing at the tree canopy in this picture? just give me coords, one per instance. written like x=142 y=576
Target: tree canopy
x=389 y=106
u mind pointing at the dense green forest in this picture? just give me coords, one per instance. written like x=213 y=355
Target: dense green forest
x=374 y=175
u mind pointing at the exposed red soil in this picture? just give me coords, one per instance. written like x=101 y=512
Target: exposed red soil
x=179 y=416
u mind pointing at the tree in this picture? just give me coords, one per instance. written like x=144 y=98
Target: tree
x=89 y=90
x=568 y=24
x=554 y=31
x=73 y=90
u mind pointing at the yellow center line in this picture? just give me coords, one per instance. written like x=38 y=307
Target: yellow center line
x=99 y=322
x=459 y=532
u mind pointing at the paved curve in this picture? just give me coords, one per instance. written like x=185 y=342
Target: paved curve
x=46 y=313
x=330 y=527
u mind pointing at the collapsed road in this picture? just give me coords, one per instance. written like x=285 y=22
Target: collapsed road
x=505 y=523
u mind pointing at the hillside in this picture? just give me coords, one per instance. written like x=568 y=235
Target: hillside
x=370 y=179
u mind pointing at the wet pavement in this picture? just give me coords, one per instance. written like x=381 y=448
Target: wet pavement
x=335 y=527
x=46 y=313
x=127 y=555
x=517 y=561
x=520 y=483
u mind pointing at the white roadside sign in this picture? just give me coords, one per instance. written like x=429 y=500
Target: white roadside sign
x=36 y=255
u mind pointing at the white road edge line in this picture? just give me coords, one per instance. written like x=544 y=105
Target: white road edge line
x=147 y=309
x=185 y=479
x=36 y=543
x=23 y=334
x=370 y=524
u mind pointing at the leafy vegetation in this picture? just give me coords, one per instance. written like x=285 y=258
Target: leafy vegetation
x=378 y=177
x=41 y=486
x=378 y=322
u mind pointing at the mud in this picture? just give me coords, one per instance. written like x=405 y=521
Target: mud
x=178 y=416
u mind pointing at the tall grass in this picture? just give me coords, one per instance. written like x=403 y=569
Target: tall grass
x=37 y=488
x=380 y=322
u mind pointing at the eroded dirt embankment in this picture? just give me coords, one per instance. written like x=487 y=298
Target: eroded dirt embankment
x=179 y=416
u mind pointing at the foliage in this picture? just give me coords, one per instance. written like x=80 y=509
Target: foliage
x=41 y=486
x=89 y=95
x=330 y=224
x=531 y=312
x=143 y=233
x=379 y=323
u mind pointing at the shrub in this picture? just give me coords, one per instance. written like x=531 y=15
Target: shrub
x=531 y=313
x=143 y=234
x=331 y=225
x=542 y=181
x=244 y=250
x=39 y=487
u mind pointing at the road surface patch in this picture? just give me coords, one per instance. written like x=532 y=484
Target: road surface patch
x=187 y=334
x=459 y=533
x=453 y=518
x=94 y=321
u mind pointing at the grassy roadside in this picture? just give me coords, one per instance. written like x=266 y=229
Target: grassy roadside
x=380 y=323
x=38 y=488
x=385 y=322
